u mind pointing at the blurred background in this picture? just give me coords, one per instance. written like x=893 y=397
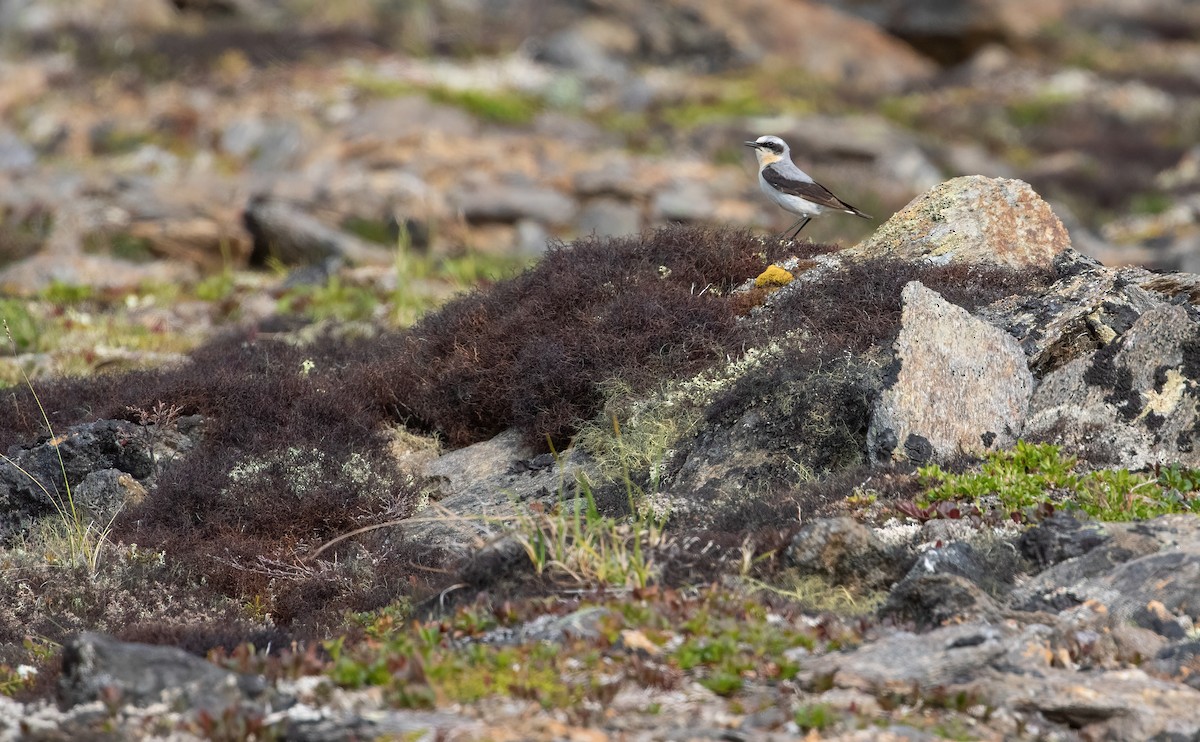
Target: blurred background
x=171 y=166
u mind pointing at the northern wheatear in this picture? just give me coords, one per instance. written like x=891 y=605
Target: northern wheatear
x=791 y=187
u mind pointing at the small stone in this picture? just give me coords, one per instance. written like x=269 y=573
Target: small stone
x=511 y=203
x=609 y=217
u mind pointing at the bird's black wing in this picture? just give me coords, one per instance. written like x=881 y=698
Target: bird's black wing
x=809 y=191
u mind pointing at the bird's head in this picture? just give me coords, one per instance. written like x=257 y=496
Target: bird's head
x=769 y=149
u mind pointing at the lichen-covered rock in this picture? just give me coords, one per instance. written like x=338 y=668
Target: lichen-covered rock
x=98 y=465
x=1135 y=402
x=1085 y=309
x=972 y=219
x=845 y=551
x=962 y=385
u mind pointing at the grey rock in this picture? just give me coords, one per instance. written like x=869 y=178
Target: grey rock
x=15 y=154
x=614 y=178
x=1116 y=704
x=1134 y=402
x=574 y=50
x=942 y=657
x=532 y=239
x=94 y=665
x=962 y=385
x=1006 y=667
x=489 y=479
x=971 y=219
x=584 y=623
x=103 y=494
x=270 y=145
x=406 y=117
x=608 y=217
x=683 y=201
x=511 y=203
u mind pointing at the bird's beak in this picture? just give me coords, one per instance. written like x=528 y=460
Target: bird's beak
x=752 y=144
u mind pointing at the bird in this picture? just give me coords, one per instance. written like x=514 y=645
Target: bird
x=792 y=188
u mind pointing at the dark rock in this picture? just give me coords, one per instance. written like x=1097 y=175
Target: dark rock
x=95 y=457
x=1058 y=538
x=1156 y=560
x=993 y=566
x=1178 y=662
x=951 y=32
x=765 y=430
x=291 y=235
x=932 y=600
x=1085 y=309
x=961 y=381
x=95 y=665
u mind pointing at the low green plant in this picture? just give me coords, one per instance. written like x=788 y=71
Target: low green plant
x=1030 y=475
x=815 y=717
x=574 y=540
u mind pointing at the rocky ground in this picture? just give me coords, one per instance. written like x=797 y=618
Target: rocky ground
x=930 y=476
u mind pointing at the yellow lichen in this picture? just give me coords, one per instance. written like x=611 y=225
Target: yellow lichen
x=773 y=276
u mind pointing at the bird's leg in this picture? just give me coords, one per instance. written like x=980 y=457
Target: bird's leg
x=802 y=222
x=789 y=229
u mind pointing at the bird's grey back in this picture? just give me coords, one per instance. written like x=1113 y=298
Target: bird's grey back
x=788 y=169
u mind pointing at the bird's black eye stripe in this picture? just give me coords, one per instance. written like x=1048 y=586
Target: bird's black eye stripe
x=774 y=147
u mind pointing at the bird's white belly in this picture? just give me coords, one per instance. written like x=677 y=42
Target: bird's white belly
x=791 y=203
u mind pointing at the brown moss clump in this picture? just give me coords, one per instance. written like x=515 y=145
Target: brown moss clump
x=534 y=352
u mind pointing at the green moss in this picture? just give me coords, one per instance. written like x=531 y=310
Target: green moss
x=119 y=245
x=1037 y=111
x=720 y=638
x=1150 y=203
x=1030 y=476
x=501 y=107
x=334 y=300
x=215 y=288
x=23 y=328
x=65 y=294
x=372 y=230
